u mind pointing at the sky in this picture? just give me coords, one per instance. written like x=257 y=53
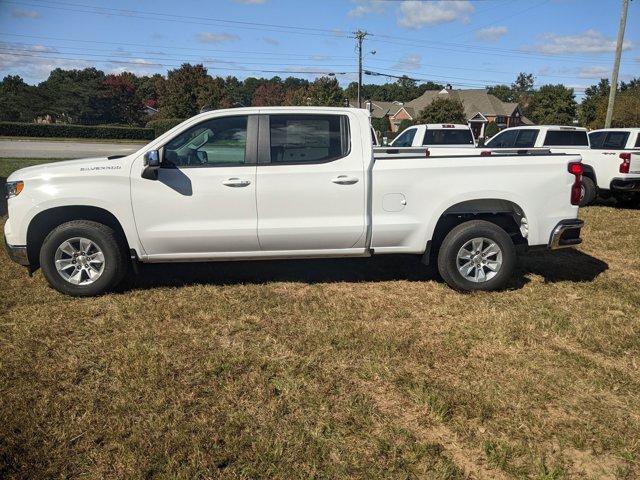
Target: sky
x=467 y=43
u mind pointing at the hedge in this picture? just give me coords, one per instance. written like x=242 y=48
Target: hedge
x=15 y=129
x=163 y=124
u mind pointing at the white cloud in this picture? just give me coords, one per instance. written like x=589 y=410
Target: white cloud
x=208 y=37
x=491 y=34
x=30 y=62
x=590 y=41
x=594 y=72
x=271 y=41
x=365 y=7
x=418 y=14
x=251 y=2
x=409 y=63
x=19 y=13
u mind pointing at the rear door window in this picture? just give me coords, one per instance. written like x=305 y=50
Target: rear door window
x=597 y=139
x=308 y=138
x=506 y=139
x=565 y=138
x=526 y=138
x=406 y=138
x=616 y=140
x=447 y=137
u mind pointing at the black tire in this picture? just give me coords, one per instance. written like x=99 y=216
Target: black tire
x=589 y=192
x=457 y=238
x=628 y=200
x=104 y=237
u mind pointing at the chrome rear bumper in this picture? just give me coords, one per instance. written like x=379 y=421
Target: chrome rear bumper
x=566 y=234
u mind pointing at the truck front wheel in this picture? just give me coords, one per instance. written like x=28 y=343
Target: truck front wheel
x=476 y=255
x=83 y=258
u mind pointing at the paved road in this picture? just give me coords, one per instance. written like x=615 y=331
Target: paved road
x=55 y=149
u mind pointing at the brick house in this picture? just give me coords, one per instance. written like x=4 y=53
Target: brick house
x=480 y=108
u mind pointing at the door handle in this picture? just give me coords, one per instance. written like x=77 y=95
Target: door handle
x=344 y=180
x=236 y=182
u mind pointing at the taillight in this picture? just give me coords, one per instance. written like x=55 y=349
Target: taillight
x=485 y=153
x=626 y=162
x=575 y=168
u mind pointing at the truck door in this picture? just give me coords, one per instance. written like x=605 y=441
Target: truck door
x=204 y=200
x=311 y=182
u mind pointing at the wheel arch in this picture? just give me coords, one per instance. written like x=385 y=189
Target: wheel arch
x=506 y=214
x=45 y=221
x=589 y=172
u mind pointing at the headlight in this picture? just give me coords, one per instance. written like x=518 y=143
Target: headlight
x=13 y=189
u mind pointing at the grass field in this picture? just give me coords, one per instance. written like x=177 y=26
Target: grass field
x=367 y=368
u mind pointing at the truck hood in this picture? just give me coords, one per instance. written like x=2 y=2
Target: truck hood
x=70 y=166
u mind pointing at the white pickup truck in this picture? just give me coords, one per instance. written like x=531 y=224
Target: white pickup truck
x=431 y=135
x=608 y=171
x=286 y=182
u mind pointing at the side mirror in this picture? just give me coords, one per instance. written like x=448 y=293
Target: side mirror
x=151 y=162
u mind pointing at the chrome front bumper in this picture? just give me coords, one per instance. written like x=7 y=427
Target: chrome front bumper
x=17 y=253
x=566 y=234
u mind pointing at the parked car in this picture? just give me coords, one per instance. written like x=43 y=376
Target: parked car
x=446 y=135
x=286 y=182
x=607 y=170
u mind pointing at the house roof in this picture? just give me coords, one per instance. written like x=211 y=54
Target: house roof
x=474 y=101
x=379 y=109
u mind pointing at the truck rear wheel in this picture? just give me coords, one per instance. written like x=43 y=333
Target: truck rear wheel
x=476 y=255
x=588 y=192
x=83 y=258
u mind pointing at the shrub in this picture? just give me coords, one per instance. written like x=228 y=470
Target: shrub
x=162 y=125
x=491 y=129
x=15 y=129
x=404 y=124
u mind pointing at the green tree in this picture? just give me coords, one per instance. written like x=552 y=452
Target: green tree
x=595 y=95
x=404 y=124
x=325 y=91
x=185 y=92
x=503 y=92
x=491 y=129
x=443 y=110
x=553 y=104
x=76 y=96
x=381 y=125
x=626 y=109
x=19 y=102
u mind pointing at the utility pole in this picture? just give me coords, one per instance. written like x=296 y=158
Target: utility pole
x=359 y=35
x=616 y=63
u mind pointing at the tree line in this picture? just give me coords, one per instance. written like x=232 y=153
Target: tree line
x=91 y=97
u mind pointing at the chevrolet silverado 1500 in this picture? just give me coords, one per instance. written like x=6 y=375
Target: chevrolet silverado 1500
x=606 y=156
x=286 y=182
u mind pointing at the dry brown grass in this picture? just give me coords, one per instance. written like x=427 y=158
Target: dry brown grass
x=332 y=369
